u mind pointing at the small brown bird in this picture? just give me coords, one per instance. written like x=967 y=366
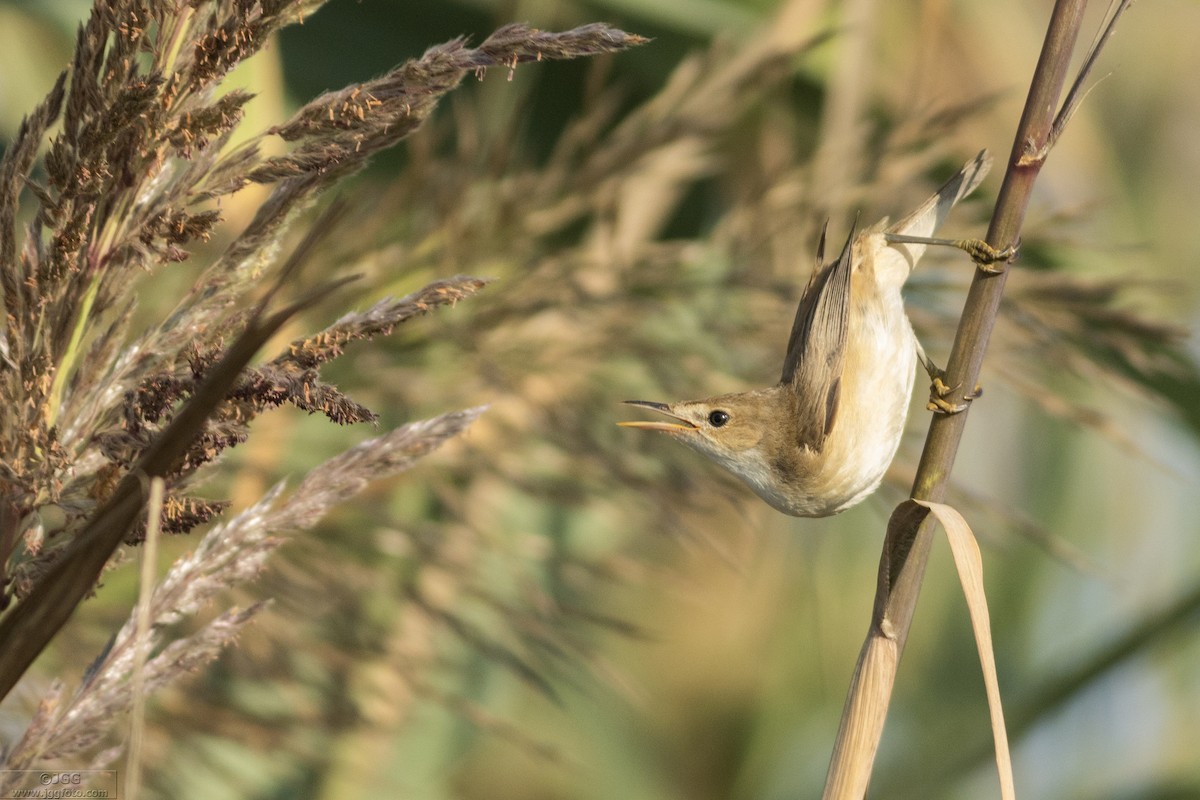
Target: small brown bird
x=820 y=441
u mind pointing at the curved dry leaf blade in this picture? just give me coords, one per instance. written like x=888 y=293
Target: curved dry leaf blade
x=969 y=564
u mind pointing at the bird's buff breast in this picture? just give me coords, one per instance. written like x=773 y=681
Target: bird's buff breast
x=876 y=389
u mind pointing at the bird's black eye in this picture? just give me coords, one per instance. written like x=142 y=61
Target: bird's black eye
x=718 y=418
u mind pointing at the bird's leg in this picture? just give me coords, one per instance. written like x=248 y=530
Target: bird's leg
x=939 y=391
x=983 y=254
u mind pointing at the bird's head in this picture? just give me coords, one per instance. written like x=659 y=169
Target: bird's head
x=735 y=430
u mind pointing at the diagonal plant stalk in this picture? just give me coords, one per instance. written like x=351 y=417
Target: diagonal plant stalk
x=910 y=530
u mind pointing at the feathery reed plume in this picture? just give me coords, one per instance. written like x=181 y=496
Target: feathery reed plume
x=131 y=183
x=232 y=553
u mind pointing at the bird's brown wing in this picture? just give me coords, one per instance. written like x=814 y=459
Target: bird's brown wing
x=817 y=347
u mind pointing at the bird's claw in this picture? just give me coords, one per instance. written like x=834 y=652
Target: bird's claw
x=987 y=257
x=939 y=391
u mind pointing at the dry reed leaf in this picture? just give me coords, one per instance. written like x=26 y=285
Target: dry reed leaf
x=863 y=717
x=875 y=673
x=969 y=564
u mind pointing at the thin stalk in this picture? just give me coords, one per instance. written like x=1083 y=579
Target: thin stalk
x=137 y=726
x=73 y=352
x=909 y=537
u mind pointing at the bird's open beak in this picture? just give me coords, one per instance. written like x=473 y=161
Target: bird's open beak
x=662 y=408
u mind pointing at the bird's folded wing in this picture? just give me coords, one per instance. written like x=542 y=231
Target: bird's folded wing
x=816 y=350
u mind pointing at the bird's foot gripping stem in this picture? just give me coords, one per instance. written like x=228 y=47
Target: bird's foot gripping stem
x=940 y=392
x=983 y=254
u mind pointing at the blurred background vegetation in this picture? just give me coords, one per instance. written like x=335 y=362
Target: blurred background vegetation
x=553 y=607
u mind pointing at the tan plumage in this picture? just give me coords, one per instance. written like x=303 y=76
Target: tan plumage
x=820 y=440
